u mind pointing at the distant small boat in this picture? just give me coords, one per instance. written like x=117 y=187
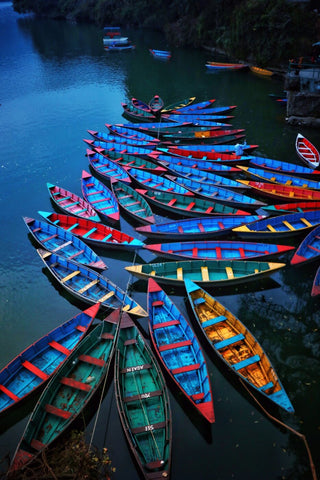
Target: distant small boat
x=261 y=71
x=307 y=152
x=87 y=285
x=134 y=204
x=143 y=402
x=225 y=66
x=94 y=233
x=100 y=197
x=69 y=391
x=161 y=54
x=236 y=346
x=71 y=203
x=287 y=225
x=57 y=240
x=213 y=273
x=115 y=40
x=156 y=104
x=179 y=350
x=217 y=250
x=37 y=363
x=118 y=47
x=309 y=248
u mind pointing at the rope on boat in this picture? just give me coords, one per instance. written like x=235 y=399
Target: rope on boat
x=300 y=435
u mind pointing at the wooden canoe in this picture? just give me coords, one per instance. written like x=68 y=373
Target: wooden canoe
x=316 y=284
x=170 y=161
x=307 y=152
x=288 y=225
x=184 y=206
x=207 y=155
x=309 y=248
x=218 y=194
x=156 y=104
x=217 y=250
x=215 y=112
x=130 y=160
x=109 y=140
x=71 y=203
x=160 y=54
x=283 y=192
x=57 y=240
x=283 y=167
x=191 y=228
x=155 y=182
x=179 y=350
x=225 y=66
x=93 y=233
x=106 y=168
x=87 y=285
x=69 y=391
x=125 y=132
x=280 y=178
x=202 y=120
x=282 y=208
x=100 y=197
x=179 y=104
x=197 y=106
x=236 y=346
x=230 y=149
x=213 y=273
x=37 y=363
x=143 y=402
x=202 y=131
x=132 y=202
x=261 y=71
x=137 y=114
x=140 y=105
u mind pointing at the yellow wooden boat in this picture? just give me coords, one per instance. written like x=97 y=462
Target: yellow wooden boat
x=261 y=71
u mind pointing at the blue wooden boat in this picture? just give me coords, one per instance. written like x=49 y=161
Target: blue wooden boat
x=197 y=106
x=218 y=66
x=124 y=148
x=160 y=54
x=218 y=250
x=231 y=149
x=140 y=105
x=218 y=194
x=118 y=47
x=87 y=285
x=128 y=160
x=179 y=350
x=68 y=392
x=132 y=202
x=204 y=120
x=287 y=225
x=57 y=240
x=108 y=141
x=143 y=402
x=106 y=168
x=184 y=206
x=100 y=197
x=72 y=204
x=170 y=161
x=124 y=132
x=309 y=248
x=192 y=228
x=213 y=273
x=154 y=128
x=156 y=182
x=210 y=111
x=236 y=346
x=280 y=178
x=93 y=233
x=282 y=167
x=37 y=363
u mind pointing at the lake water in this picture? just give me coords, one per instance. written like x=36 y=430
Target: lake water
x=56 y=83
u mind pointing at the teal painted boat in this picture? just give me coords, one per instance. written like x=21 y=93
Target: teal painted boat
x=100 y=197
x=87 y=285
x=69 y=391
x=72 y=204
x=179 y=350
x=130 y=160
x=143 y=403
x=236 y=346
x=57 y=240
x=132 y=202
x=37 y=363
x=213 y=273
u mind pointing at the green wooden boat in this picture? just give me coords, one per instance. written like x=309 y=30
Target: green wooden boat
x=213 y=273
x=143 y=402
x=69 y=391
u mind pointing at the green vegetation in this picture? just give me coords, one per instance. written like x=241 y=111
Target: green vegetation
x=267 y=32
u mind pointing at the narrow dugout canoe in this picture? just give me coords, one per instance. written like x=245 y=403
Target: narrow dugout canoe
x=125 y=132
x=69 y=391
x=213 y=273
x=100 y=197
x=191 y=228
x=307 y=152
x=171 y=161
x=72 y=204
x=108 y=140
x=143 y=402
x=106 y=168
x=179 y=350
x=186 y=206
x=283 y=208
x=57 y=240
x=283 y=167
x=283 y=192
x=225 y=66
x=38 y=362
x=156 y=104
x=156 y=182
x=129 y=160
x=93 y=233
x=236 y=346
x=309 y=248
x=280 y=178
x=198 y=105
x=207 y=155
x=132 y=202
x=288 y=225
x=218 y=250
x=87 y=285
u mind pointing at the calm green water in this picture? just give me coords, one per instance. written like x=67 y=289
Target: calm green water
x=56 y=83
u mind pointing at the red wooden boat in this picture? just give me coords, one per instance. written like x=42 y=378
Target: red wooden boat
x=282 y=208
x=307 y=151
x=283 y=192
x=209 y=155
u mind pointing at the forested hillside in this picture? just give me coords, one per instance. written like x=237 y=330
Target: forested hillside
x=263 y=31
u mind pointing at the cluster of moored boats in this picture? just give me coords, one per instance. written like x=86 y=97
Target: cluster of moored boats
x=179 y=159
